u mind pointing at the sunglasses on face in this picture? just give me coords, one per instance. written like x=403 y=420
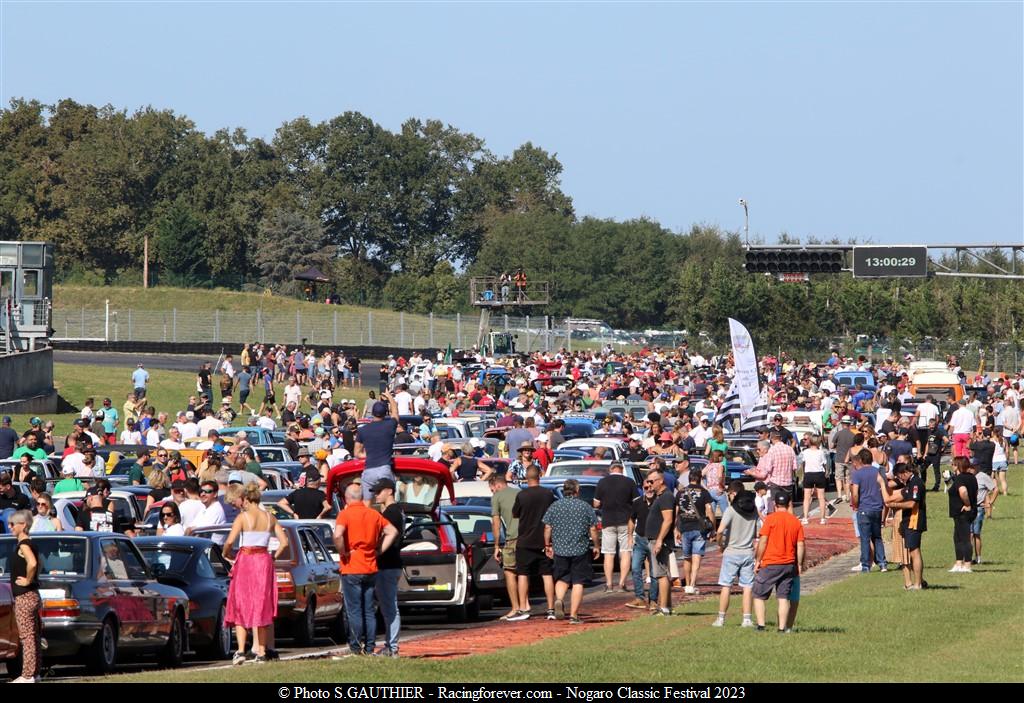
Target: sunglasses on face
x=166 y=514
x=42 y=504
x=207 y=492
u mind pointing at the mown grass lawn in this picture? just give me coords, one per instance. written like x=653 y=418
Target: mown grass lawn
x=168 y=391
x=966 y=628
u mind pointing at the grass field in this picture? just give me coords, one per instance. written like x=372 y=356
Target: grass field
x=168 y=391
x=218 y=315
x=966 y=628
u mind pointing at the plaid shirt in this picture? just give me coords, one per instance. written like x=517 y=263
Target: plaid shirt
x=781 y=463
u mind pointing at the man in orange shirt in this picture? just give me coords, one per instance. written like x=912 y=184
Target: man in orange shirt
x=779 y=561
x=360 y=534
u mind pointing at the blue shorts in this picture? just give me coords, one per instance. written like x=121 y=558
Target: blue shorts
x=693 y=544
x=794 y=591
x=978 y=522
x=999 y=466
x=737 y=567
x=373 y=474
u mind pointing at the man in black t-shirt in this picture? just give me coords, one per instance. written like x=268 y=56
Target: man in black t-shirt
x=309 y=502
x=909 y=497
x=982 y=450
x=95 y=517
x=10 y=497
x=389 y=566
x=929 y=452
x=695 y=506
x=530 y=505
x=660 y=521
x=614 y=498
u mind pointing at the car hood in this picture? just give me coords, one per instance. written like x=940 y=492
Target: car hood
x=405 y=468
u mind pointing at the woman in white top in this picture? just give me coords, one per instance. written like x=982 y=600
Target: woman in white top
x=170 y=521
x=815 y=480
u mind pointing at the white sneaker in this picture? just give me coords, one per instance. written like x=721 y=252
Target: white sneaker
x=691 y=590
x=803 y=521
x=23 y=679
x=956 y=570
x=855 y=568
x=747 y=623
x=719 y=622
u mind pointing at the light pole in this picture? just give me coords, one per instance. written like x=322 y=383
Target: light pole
x=746 y=222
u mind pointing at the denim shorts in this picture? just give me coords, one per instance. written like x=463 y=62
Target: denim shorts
x=999 y=465
x=373 y=474
x=978 y=521
x=737 y=567
x=693 y=544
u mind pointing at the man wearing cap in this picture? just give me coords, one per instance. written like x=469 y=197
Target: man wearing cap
x=96 y=517
x=140 y=377
x=360 y=535
x=778 y=562
x=69 y=482
x=308 y=502
x=111 y=421
x=841 y=443
x=389 y=566
x=518 y=435
x=375 y=443
x=909 y=496
x=961 y=426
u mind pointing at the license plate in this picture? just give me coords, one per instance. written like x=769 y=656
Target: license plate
x=439 y=587
x=488 y=577
x=52 y=593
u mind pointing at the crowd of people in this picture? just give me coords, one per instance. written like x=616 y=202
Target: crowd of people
x=879 y=457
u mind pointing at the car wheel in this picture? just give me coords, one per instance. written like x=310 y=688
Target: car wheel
x=220 y=648
x=174 y=651
x=102 y=657
x=473 y=607
x=305 y=626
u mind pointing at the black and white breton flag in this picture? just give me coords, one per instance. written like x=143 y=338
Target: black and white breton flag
x=728 y=414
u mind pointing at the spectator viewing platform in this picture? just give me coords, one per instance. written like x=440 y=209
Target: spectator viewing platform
x=493 y=292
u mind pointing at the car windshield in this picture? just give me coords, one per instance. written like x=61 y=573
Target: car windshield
x=578 y=470
x=270 y=455
x=576 y=430
x=472 y=525
x=164 y=559
x=58 y=556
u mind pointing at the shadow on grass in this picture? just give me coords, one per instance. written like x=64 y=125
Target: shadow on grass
x=825 y=630
x=942 y=587
x=991 y=571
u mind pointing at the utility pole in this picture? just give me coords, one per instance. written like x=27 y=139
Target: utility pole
x=746 y=222
x=145 y=261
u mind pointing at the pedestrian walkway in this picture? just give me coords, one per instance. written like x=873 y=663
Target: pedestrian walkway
x=824 y=542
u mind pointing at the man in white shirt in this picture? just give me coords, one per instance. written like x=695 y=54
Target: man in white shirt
x=961 y=424
x=266 y=421
x=212 y=513
x=191 y=508
x=187 y=425
x=152 y=437
x=293 y=393
x=210 y=422
x=173 y=440
x=700 y=433
x=404 y=400
x=92 y=467
x=925 y=412
x=436 y=447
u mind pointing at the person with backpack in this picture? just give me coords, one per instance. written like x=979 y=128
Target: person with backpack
x=696 y=519
x=736 y=534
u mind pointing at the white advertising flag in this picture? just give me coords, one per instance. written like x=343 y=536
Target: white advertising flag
x=745 y=381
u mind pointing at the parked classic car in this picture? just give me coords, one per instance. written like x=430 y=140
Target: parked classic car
x=101 y=603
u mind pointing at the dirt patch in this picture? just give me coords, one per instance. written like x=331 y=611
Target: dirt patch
x=600 y=610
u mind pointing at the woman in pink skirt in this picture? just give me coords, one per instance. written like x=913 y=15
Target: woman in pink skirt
x=252 y=597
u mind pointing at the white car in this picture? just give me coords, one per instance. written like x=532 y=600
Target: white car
x=616 y=445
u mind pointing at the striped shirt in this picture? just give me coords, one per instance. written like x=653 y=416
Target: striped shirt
x=781 y=463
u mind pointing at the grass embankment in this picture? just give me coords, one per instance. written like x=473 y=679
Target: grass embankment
x=967 y=627
x=168 y=391
x=219 y=315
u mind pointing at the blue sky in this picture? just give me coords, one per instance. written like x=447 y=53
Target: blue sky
x=881 y=121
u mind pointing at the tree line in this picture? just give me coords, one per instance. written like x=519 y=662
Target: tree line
x=402 y=219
